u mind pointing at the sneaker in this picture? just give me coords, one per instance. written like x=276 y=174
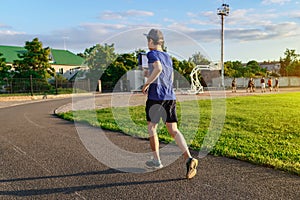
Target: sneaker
x=191 y=166
x=154 y=164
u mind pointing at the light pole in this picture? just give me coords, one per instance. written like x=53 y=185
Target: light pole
x=223 y=11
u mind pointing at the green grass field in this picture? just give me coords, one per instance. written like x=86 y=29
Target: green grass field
x=262 y=129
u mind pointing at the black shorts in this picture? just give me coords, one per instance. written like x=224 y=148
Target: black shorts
x=165 y=110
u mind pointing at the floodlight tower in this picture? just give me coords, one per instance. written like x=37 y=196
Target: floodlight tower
x=222 y=11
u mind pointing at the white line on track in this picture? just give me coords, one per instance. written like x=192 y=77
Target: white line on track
x=32 y=122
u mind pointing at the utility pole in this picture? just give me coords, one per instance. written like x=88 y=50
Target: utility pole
x=223 y=11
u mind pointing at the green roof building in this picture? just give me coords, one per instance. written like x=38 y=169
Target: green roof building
x=63 y=61
x=65 y=57
x=58 y=57
x=10 y=53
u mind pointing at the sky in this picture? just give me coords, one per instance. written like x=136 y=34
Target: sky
x=258 y=30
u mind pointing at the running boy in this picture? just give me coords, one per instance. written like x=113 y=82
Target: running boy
x=161 y=102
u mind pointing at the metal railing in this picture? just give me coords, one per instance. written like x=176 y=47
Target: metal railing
x=41 y=86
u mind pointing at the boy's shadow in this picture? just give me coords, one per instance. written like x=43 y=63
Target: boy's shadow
x=72 y=189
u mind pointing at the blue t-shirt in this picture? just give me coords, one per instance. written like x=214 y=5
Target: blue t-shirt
x=162 y=87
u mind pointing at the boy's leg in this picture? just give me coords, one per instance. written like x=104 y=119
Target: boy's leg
x=179 y=139
x=153 y=118
x=154 y=142
x=191 y=163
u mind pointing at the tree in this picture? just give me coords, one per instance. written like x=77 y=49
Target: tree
x=229 y=70
x=114 y=72
x=254 y=69
x=107 y=65
x=290 y=64
x=128 y=59
x=237 y=69
x=99 y=57
x=139 y=51
x=35 y=61
x=5 y=72
x=199 y=59
x=176 y=64
x=234 y=69
x=184 y=68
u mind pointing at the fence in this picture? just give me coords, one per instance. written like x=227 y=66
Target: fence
x=289 y=81
x=42 y=86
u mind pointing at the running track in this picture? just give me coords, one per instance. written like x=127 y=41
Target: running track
x=42 y=157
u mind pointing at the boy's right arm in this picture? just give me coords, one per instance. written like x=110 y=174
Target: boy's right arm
x=157 y=69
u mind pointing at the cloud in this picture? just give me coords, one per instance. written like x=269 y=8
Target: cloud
x=112 y=15
x=131 y=36
x=295 y=15
x=139 y=13
x=268 y=32
x=76 y=38
x=281 y=2
x=241 y=25
x=84 y=36
x=283 y=30
x=4 y=26
x=203 y=18
x=180 y=27
x=250 y=17
x=10 y=33
x=14 y=38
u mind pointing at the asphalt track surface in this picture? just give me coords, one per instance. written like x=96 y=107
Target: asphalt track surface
x=42 y=157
